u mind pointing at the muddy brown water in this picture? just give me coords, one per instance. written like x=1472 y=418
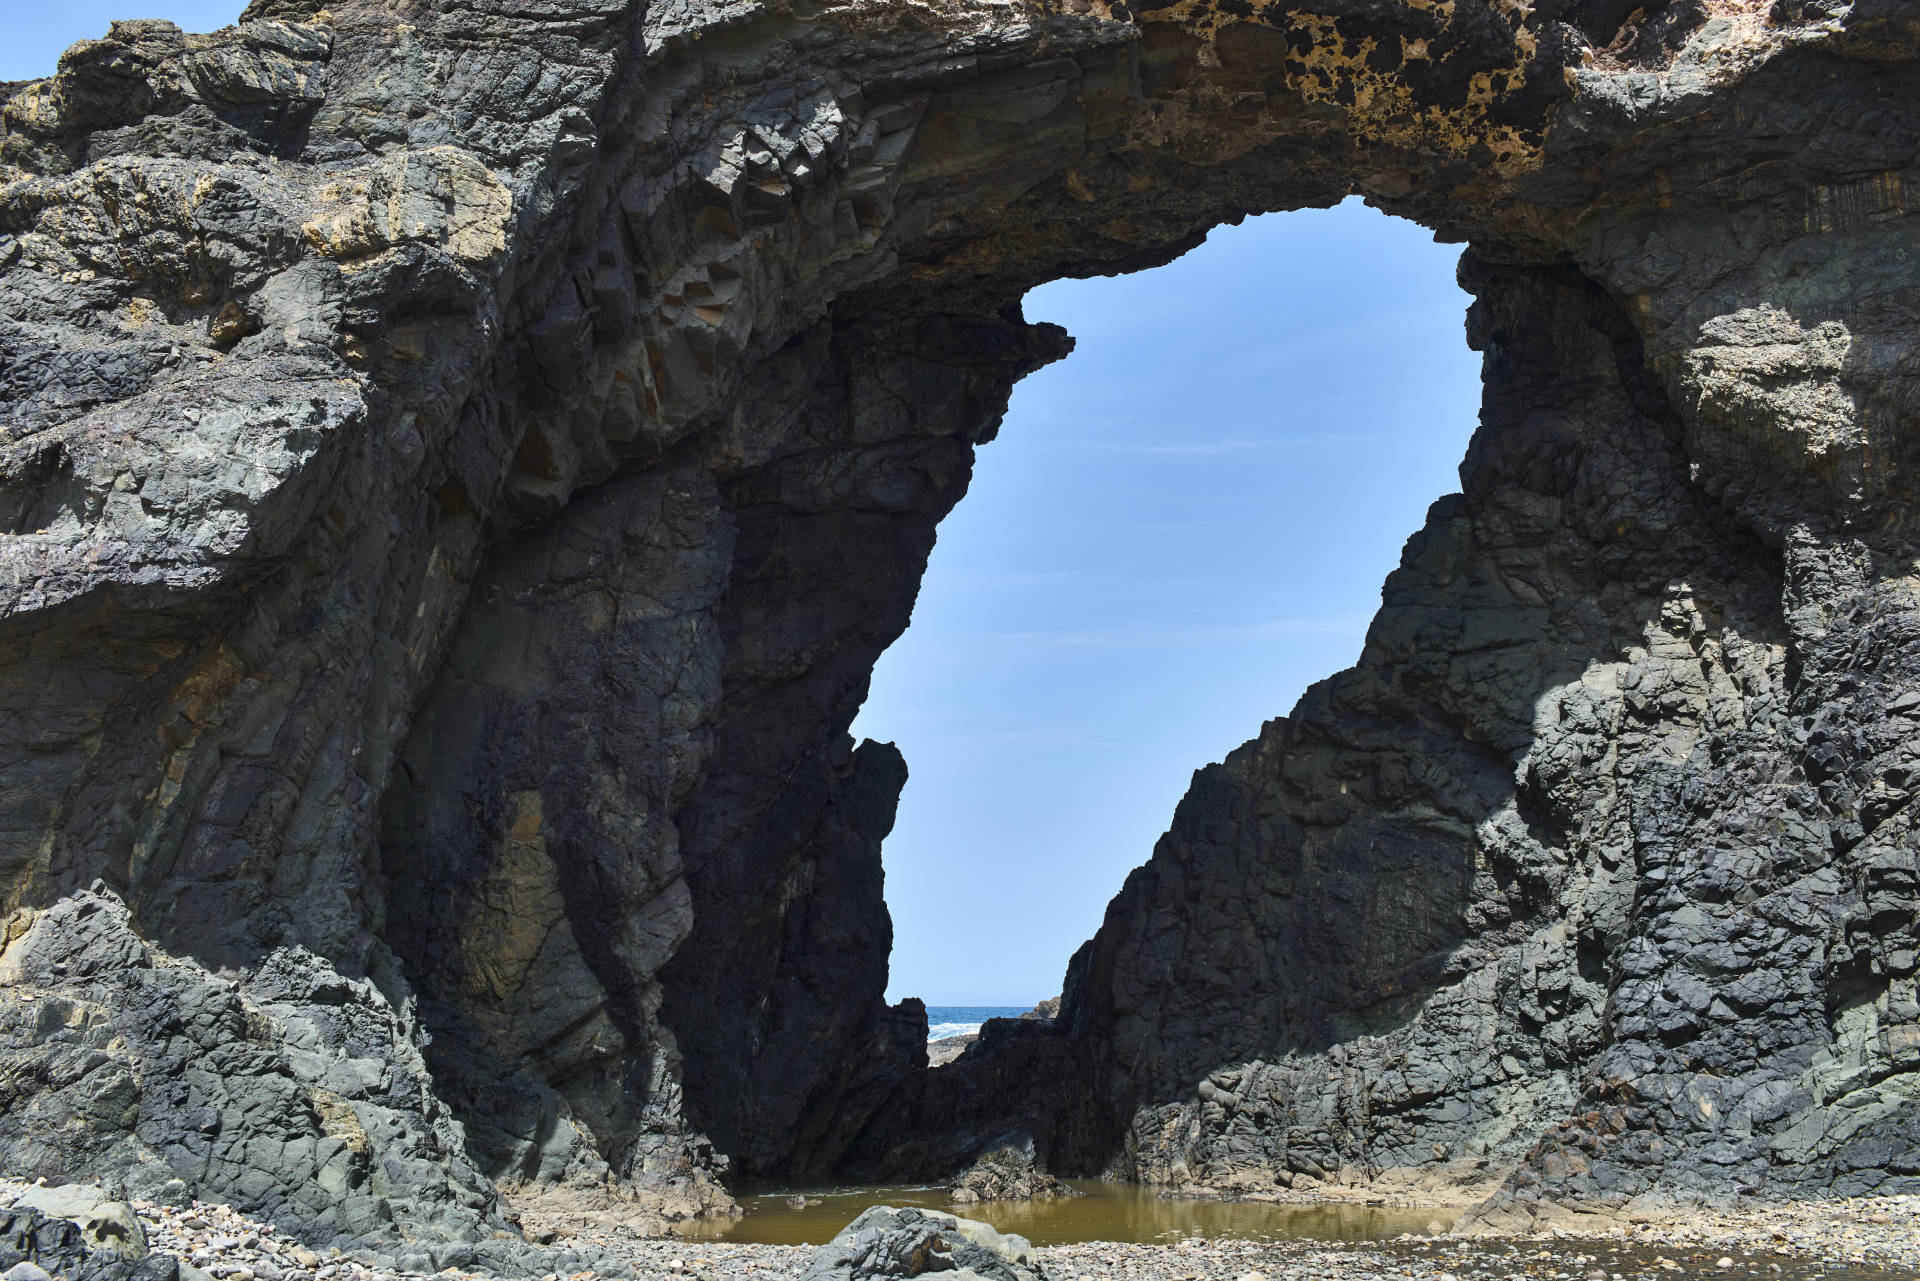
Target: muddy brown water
x=1108 y=1212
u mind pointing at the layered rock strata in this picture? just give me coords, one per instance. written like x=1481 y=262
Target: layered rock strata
x=461 y=461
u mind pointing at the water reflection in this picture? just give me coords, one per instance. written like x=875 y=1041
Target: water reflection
x=1109 y=1212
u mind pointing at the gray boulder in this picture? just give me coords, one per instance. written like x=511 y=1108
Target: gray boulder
x=35 y=1246
x=885 y=1242
x=106 y=1222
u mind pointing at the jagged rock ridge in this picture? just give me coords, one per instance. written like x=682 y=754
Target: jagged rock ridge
x=461 y=462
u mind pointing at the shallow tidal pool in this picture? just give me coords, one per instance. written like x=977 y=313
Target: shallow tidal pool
x=1108 y=1212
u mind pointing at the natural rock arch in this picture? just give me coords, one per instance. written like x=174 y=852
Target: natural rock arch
x=462 y=462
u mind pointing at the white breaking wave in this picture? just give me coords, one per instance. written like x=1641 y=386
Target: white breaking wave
x=941 y=1031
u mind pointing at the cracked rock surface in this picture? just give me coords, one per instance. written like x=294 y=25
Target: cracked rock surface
x=460 y=460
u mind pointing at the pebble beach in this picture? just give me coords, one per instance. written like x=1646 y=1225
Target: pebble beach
x=1867 y=1239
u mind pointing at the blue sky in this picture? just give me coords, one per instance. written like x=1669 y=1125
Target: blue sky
x=37 y=34
x=1180 y=527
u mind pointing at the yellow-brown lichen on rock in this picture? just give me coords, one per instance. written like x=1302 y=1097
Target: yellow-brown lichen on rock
x=514 y=906
x=442 y=196
x=1331 y=61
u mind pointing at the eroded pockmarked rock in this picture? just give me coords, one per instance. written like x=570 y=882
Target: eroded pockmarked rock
x=460 y=465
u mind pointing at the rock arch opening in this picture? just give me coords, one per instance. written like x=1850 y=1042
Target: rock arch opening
x=1176 y=531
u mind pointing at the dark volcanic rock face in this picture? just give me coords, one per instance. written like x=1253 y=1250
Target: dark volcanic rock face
x=460 y=463
x=299 y=1089
x=1431 y=870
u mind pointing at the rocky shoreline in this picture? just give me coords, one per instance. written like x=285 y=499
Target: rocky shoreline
x=1866 y=1239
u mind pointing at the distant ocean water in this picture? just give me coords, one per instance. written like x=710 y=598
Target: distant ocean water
x=944 y=1021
